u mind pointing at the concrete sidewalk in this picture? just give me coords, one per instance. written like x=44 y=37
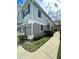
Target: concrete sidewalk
x=47 y=51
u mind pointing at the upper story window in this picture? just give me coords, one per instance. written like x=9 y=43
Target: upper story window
x=26 y=11
x=39 y=13
x=28 y=8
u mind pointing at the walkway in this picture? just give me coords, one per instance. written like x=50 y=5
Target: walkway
x=47 y=51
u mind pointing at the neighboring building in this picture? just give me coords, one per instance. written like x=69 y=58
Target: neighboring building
x=32 y=20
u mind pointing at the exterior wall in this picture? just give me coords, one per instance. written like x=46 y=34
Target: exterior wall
x=37 y=29
x=19 y=16
x=20 y=30
x=44 y=19
x=51 y=24
x=19 y=21
x=27 y=18
x=35 y=15
x=35 y=21
x=24 y=20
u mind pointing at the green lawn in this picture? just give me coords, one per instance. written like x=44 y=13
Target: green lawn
x=36 y=44
x=59 y=52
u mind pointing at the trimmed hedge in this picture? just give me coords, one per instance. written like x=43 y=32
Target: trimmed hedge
x=49 y=33
x=22 y=38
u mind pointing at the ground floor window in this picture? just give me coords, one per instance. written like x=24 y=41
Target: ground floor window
x=41 y=27
x=19 y=29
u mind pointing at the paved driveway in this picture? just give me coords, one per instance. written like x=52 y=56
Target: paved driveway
x=47 y=51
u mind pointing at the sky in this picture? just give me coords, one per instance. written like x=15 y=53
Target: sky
x=20 y=1
x=51 y=7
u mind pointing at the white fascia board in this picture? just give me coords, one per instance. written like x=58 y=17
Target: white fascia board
x=33 y=21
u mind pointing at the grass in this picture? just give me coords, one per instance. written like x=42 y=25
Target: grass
x=36 y=44
x=59 y=49
x=59 y=52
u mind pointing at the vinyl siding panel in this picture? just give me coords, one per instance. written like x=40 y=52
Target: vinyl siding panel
x=37 y=29
x=43 y=18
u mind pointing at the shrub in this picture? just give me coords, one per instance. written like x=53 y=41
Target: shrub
x=49 y=33
x=22 y=38
x=55 y=30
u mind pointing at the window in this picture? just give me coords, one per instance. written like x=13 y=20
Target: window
x=26 y=11
x=39 y=13
x=28 y=8
x=41 y=27
x=23 y=14
x=19 y=29
x=48 y=26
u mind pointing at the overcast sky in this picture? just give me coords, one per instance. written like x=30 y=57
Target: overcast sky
x=52 y=7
